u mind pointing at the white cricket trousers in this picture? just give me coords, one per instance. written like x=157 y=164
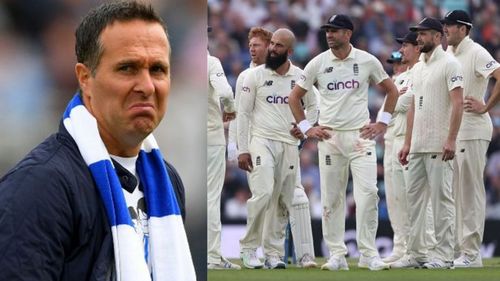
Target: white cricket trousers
x=271 y=181
x=431 y=177
x=344 y=150
x=395 y=194
x=216 y=168
x=299 y=217
x=470 y=195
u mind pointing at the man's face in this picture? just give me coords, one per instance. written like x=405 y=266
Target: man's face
x=336 y=38
x=425 y=40
x=409 y=52
x=452 y=33
x=128 y=92
x=258 y=50
x=278 y=52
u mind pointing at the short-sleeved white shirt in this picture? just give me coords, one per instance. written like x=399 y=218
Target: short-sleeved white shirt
x=218 y=88
x=343 y=86
x=397 y=125
x=264 y=104
x=477 y=65
x=432 y=82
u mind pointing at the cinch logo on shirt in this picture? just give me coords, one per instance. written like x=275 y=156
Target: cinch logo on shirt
x=246 y=89
x=268 y=83
x=490 y=64
x=219 y=74
x=341 y=85
x=277 y=99
x=456 y=78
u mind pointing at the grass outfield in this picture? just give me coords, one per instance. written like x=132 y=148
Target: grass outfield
x=490 y=271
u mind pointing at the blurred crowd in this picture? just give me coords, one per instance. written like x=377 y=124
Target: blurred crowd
x=377 y=23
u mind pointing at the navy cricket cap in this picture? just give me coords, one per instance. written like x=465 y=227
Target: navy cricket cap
x=428 y=24
x=410 y=37
x=395 y=57
x=457 y=17
x=339 y=22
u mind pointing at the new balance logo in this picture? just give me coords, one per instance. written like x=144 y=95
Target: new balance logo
x=341 y=85
x=328 y=69
x=268 y=83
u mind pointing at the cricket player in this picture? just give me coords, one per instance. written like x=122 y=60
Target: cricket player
x=430 y=144
x=267 y=144
x=299 y=216
x=343 y=74
x=395 y=187
x=394 y=191
x=474 y=135
x=218 y=89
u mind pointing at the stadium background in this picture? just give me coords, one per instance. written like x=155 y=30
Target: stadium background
x=377 y=23
x=37 y=80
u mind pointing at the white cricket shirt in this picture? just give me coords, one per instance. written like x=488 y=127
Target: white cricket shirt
x=263 y=108
x=432 y=82
x=477 y=66
x=218 y=89
x=343 y=87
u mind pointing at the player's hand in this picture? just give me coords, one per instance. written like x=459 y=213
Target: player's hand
x=245 y=162
x=296 y=133
x=372 y=130
x=473 y=105
x=403 y=155
x=228 y=116
x=319 y=132
x=232 y=151
x=449 y=150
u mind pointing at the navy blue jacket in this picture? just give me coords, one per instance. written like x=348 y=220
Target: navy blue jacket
x=53 y=225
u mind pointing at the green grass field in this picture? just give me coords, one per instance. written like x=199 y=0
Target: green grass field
x=490 y=271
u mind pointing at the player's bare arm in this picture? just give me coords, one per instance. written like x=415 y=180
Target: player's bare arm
x=372 y=130
x=405 y=150
x=228 y=116
x=319 y=132
x=477 y=106
x=449 y=147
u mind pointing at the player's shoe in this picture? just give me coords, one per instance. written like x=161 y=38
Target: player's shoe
x=392 y=258
x=372 y=263
x=274 y=262
x=439 y=264
x=407 y=261
x=250 y=260
x=335 y=263
x=468 y=261
x=307 y=262
x=223 y=264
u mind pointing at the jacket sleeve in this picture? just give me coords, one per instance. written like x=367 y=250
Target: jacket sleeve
x=36 y=224
x=178 y=188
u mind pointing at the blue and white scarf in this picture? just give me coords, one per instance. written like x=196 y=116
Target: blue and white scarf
x=169 y=252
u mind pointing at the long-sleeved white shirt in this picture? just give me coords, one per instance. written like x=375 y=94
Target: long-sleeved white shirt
x=218 y=89
x=263 y=106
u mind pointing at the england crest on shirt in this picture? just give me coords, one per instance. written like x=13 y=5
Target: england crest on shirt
x=355 y=69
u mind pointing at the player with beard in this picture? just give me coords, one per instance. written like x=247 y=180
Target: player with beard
x=299 y=215
x=343 y=74
x=267 y=143
x=433 y=122
x=474 y=135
